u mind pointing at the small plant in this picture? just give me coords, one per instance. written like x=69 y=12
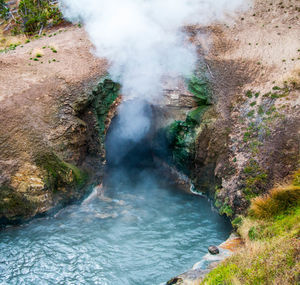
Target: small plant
x=250 y=114
x=252 y=234
x=54 y=50
x=253 y=104
x=38 y=55
x=260 y=110
x=249 y=94
x=276 y=88
x=237 y=222
x=36 y=59
x=247 y=136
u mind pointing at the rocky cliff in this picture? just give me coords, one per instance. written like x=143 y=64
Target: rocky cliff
x=54 y=114
x=247 y=136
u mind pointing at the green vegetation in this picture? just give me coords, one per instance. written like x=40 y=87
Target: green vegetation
x=32 y=16
x=180 y=138
x=59 y=173
x=106 y=93
x=4 y=10
x=271 y=254
x=256 y=179
x=223 y=206
x=180 y=135
x=251 y=113
x=200 y=89
x=10 y=47
x=249 y=94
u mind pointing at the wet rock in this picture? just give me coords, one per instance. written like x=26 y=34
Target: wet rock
x=213 y=250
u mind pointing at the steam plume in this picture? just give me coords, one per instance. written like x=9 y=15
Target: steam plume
x=144 y=40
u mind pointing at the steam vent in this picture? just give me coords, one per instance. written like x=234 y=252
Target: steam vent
x=149 y=142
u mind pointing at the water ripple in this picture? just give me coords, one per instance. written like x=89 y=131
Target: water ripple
x=133 y=235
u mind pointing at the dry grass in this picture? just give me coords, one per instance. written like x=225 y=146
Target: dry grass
x=278 y=200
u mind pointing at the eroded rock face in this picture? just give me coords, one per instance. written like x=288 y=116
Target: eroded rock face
x=47 y=160
x=248 y=139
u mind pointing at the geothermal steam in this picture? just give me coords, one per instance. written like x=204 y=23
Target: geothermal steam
x=143 y=41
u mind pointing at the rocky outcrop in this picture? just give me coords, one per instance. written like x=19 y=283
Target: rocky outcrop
x=248 y=139
x=48 y=163
x=54 y=112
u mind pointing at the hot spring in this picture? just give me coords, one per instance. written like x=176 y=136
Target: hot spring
x=133 y=230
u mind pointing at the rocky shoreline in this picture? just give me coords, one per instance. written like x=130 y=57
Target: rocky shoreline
x=208 y=262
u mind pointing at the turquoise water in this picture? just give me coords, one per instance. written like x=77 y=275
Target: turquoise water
x=133 y=232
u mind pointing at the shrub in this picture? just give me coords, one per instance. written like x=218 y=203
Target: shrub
x=4 y=10
x=36 y=14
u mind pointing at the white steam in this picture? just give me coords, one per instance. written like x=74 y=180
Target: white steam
x=143 y=41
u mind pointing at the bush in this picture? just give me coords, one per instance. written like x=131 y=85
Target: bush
x=4 y=10
x=35 y=14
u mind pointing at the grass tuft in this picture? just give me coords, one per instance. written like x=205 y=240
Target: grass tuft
x=277 y=201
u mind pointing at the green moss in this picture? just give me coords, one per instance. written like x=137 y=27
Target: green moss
x=196 y=114
x=59 y=173
x=226 y=210
x=180 y=135
x=105 y=93
x=256 y=179
x=199 y=88
x=247 y=136
x=276 y=88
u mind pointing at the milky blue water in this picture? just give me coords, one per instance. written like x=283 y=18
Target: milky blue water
x=135 y=233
